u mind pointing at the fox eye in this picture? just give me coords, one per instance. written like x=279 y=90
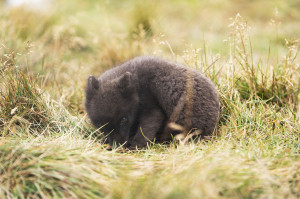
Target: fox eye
x=123 y=121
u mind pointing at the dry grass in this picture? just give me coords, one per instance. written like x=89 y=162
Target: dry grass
x=48 y=149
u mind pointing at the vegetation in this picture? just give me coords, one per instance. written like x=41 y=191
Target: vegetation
x=49 y=149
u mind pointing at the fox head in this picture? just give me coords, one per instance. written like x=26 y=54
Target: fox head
x=113 y=107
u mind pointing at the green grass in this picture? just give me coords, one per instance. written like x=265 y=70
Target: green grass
x=48 y=148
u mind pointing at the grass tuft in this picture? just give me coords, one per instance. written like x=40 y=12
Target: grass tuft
x=21 y=98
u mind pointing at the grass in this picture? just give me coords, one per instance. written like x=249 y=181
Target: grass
x=48 y=148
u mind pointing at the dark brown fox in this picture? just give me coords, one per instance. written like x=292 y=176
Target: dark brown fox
x=135 y=102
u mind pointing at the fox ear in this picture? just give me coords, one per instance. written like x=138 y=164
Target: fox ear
x=125 y=83
x=93 y=83
x=125 y=80
x=92 y=86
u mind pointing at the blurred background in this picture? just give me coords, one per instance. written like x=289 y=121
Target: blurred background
x=188 y=21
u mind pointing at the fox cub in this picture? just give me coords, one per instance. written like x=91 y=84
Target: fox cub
x=135 y=103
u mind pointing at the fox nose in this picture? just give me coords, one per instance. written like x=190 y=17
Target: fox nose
x=119 y=141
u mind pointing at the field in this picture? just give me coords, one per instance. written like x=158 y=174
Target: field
x=49 y=149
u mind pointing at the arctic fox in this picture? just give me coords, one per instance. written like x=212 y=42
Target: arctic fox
x=135 y=103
